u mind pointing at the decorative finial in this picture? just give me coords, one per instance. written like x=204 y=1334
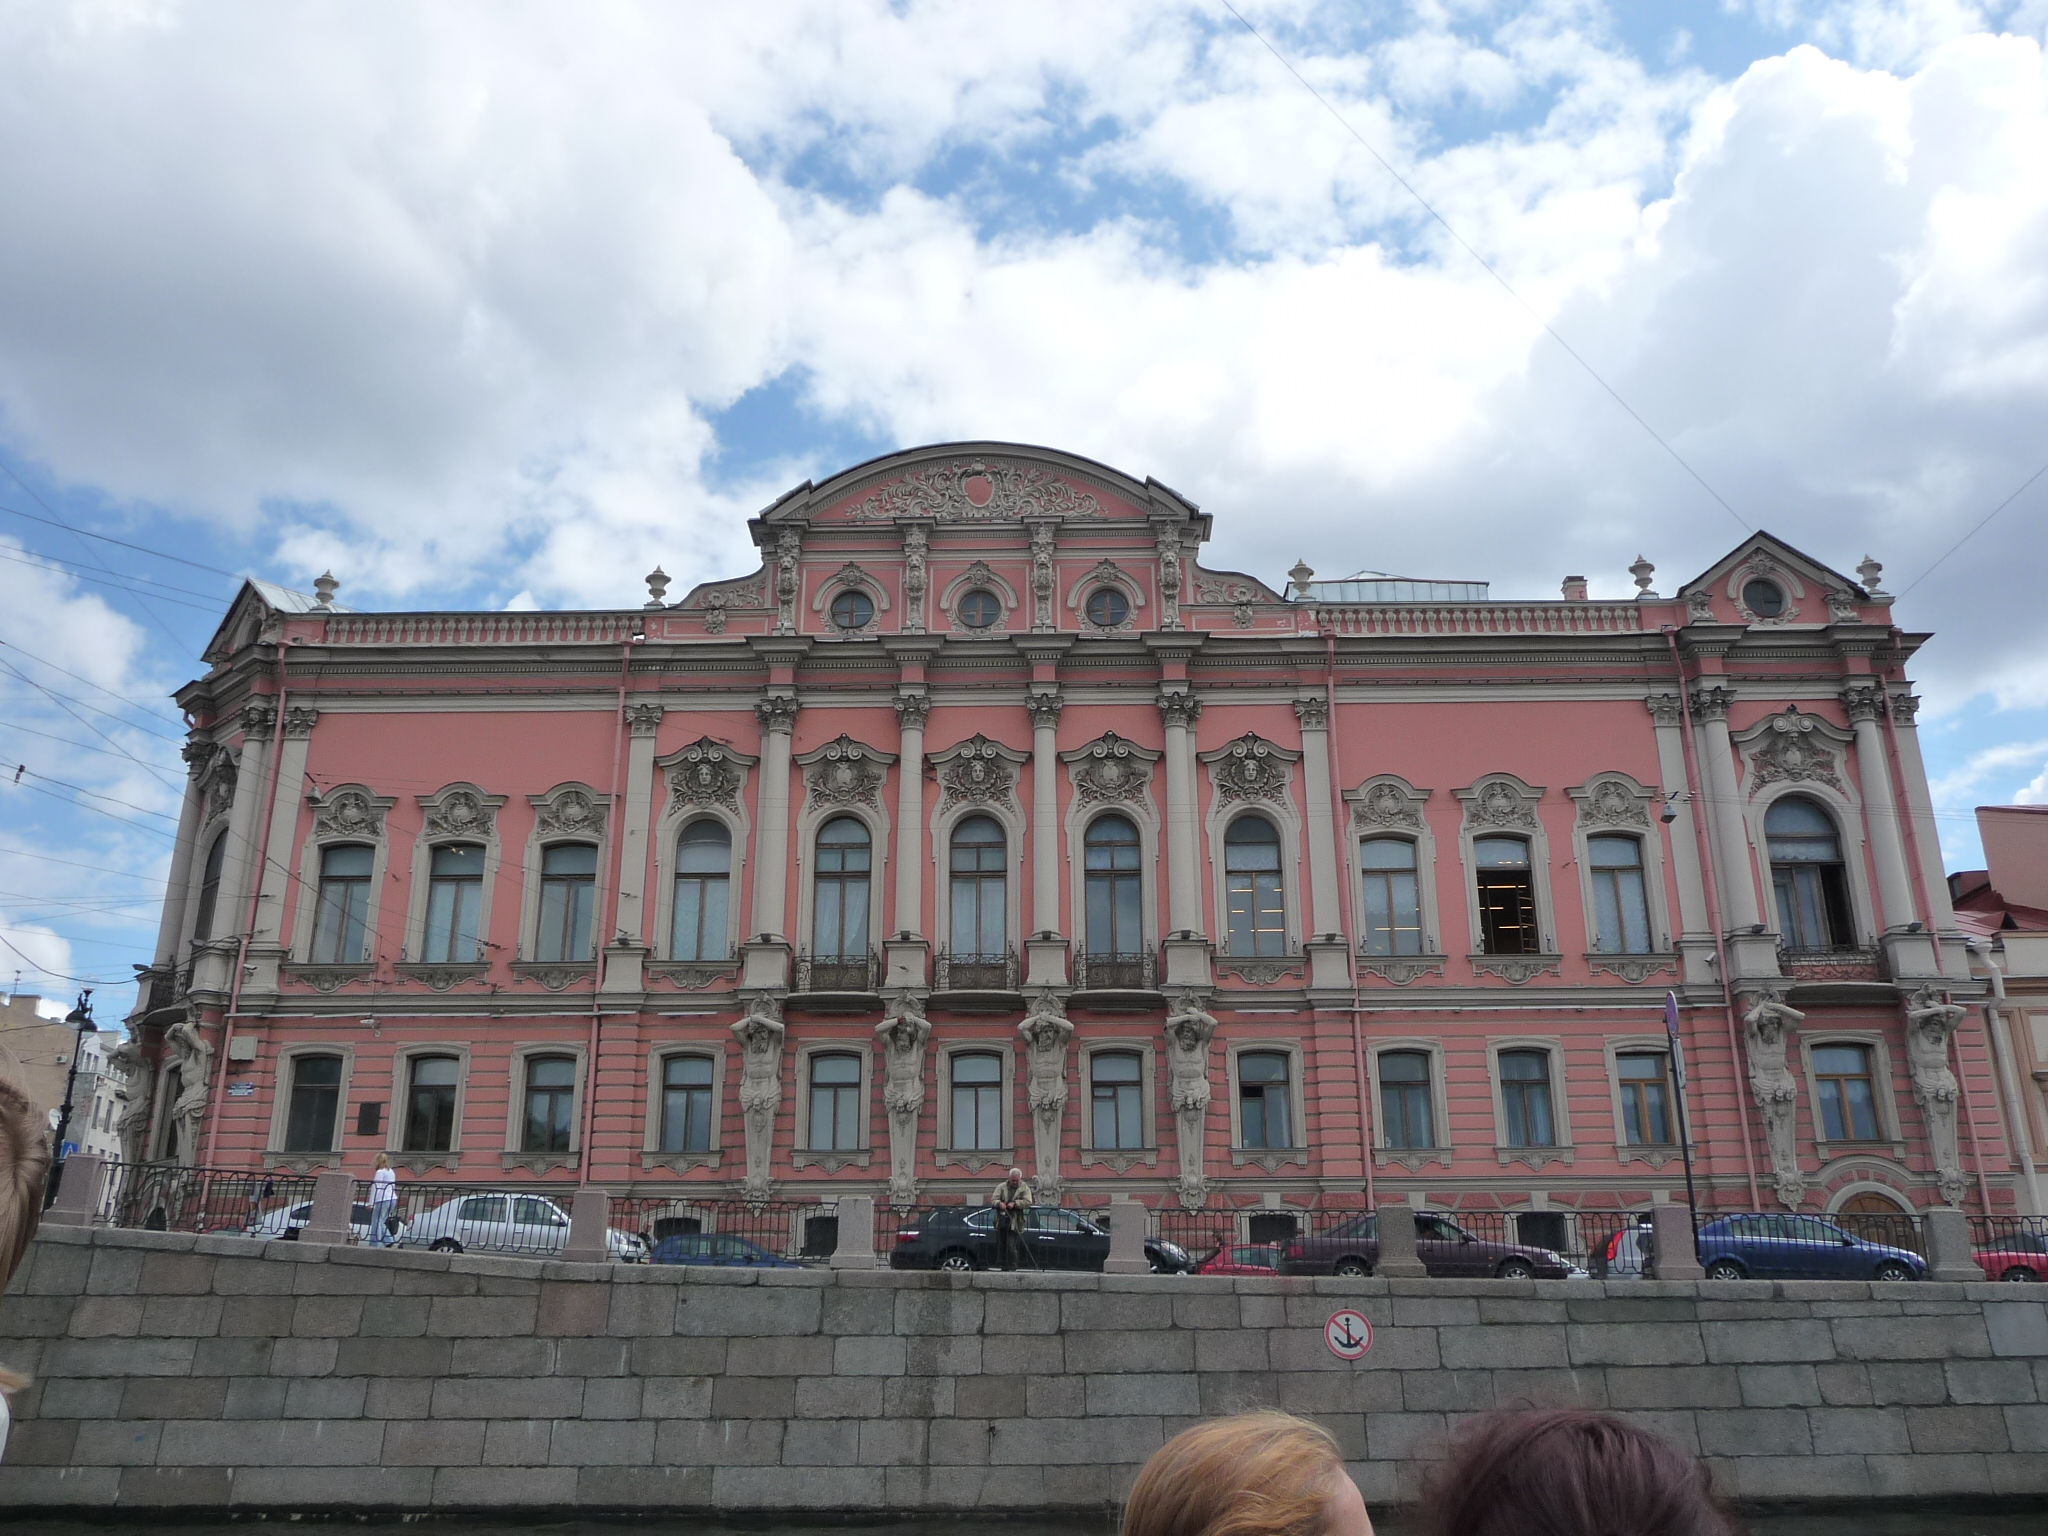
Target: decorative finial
x=324 y=586
x=657 y=585
x=1868 y=573
x=1301 y=576
x=1642 y=570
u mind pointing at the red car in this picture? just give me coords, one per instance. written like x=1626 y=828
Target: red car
x=1242 y=1259
x=2017 y=1256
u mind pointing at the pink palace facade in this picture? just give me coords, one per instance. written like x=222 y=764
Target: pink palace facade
x=985 y=824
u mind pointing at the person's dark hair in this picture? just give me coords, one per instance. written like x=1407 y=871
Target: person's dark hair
x=1568 y=1472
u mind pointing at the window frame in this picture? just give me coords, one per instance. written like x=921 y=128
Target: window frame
x=848 y=578
x=540 y=885
x=532 y=871
x=672 y=883
x=1884 y=1089
x=1148 y=1105
x=1409 y=820
x=1364 y=879
x=1279 y=811
x=974 y=1159
x=678 y=811
x=1297 y=1101
x=401 y=1075
x=524 y=1089
x=282 y=1073
x=1414 y=1158
x=1007 y=814
x=810 y=820
x=1614 y=1047
x=1843 y=806
x=202 y=875
x=515 y=1155
x=1147 y=915
x=1852 y=934
x=841 y=880
x=803 y=1154
x=651 y=1153
x=1611 y=874
x=1529 y=825
x=376 y=834
x=490 y=834
x=978 y=577
x=369 y=885
x=1287 y=937
x=1562 y=1148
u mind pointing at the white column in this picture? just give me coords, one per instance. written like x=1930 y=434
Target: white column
x=1685 y=843
x=777 y=715
x=197 y=755
x=911 y=709
x=252 y=780
x=628 y=826
x=1735 y=872
x=279 y=863
x=1045 y=811
x=1920 y=805
x=1314 y=714
x=1863 y=701
x=1180 y=710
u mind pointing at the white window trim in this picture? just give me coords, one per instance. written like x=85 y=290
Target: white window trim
x=1413 y=1158
x=401 y=1079
x=1891 y=1140
x=422 y=871
x=1142 y=816
x=974 y=1161
x=1007 y=814
x=676 y=815
x=803 y=1154
x=1286 y=821
x=1362 y=828
x=1536 y=835
x=515 y=1107
x=214 y=827
x=849 y=578
x=1104 y=573
x=537 y=845
x=1847 y=816
x=307 y=898
x=651 y=1155
x=979 y=577
x=1656 y=898
x=1560 y=1102
x=281 y=1099
x=811 y=819
x=1297 y=1104
x=1148 y=1102
x=1615 y=1047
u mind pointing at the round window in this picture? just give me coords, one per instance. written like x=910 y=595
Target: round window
x=1763 y=598
x=1108 y=607
x=852 y=610
x=979 y=609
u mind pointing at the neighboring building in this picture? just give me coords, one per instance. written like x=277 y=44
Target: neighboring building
x=41 y=1048
x=984 y=825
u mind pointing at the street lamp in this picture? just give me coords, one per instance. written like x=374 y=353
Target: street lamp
x=80 y=1019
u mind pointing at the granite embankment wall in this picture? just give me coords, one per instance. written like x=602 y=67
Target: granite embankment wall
x=217 y=1372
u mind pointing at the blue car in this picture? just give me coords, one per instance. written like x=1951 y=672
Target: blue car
x=1787 y=1247
x=720 y=1248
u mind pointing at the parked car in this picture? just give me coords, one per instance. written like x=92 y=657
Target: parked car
x=1446 y=1249
x=287 y=1221
x=508 y=1223
x=716 y=1248
x=2015 y=1256
x=1242 y=1259
x=963 y=1237
x=1625 y=1256
x=1773 y=1246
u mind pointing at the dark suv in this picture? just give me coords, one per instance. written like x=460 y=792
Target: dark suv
x=963 y=1237
x=1446 y=1249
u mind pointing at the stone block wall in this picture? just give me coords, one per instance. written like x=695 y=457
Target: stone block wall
x=219 y=1373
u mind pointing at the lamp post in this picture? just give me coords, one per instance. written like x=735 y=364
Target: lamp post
x=80 y=1019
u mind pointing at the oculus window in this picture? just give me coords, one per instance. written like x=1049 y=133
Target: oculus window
x=852 y=610
x=1107 y=607
x=979 y=609
x=1765 y=599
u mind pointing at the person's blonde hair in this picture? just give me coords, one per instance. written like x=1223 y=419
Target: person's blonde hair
x=1255 y=1474
x=383 y=1159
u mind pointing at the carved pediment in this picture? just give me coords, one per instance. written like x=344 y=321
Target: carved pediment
x=1791 y=747
x=1110 y=770
x=976 y=490
x=978 y=772
x=349 y=810
x=706 y=773
x=846 y=772
x=1251 y=770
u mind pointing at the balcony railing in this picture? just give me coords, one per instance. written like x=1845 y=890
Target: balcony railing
x=837 y=973
x=1136 y=972
x=1479 y=618
x=975 y=973
x=1842 y=964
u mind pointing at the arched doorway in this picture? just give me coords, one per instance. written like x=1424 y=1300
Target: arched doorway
x=1879 y=1217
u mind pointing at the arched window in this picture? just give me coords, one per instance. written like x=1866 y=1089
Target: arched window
x=1118 y=1119
x=1806 y=875
x=1251 y=878
x=979 y=885
x=839 y=928
x=1114 y=893
x=686 y=1104
x=1507 y=896
x=430 y=1104
x=1406 y=1119
x=1621 y=910
x=977 y=1101
x=343 y=907
x=1262 y=1099
x=1393 y=907
x=209 y=888
x=568 y=893
x=455 y=897
x=698 y=930
x=835 y=1102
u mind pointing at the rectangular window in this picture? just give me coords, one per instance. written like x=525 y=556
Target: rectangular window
x=1507 y=896
x=315 y=1100
x=686 y=1104
x=1621 y=913
x=343 y=909
x=568 y=895
x=430 y=1107
x=1645 y=1099
x=1118 y=1123
x=1525 y=1098
x=835 y=1103
x=977 y=1102
x=455 y=898
x=550 y=1103
x=1406 y=1117
x=1393 y=910
x=1843 y=1081
x=1262 y=1099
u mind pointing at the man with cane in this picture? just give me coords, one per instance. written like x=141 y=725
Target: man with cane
x=1012 y=1200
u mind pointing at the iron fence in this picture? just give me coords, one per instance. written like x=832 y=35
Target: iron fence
x=1134 y=972
x=163 y=1197
x=974 y=973
x=802 y=1231
x=524 y=1221
x=837 y=973
x=2010 y=1247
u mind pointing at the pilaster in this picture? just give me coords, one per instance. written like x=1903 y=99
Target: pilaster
x=1696 y=935
x=1329 y=964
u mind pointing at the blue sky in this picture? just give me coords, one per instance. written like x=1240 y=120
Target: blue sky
x=503 y=304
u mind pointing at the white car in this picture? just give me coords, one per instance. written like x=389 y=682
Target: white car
x=496 y=1222
x=1630 y=1252
x=287 y=1221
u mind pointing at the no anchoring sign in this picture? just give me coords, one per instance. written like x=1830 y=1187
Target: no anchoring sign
x=1348 y=1334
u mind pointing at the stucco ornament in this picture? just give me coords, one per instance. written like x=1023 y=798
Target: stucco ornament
x=1251 y=770
x=1699 y=607
x=1930 y=1021
x=916 y=545
x=1387 y=804
x=1189 y=1029
x=977 y=775
x=846 y=774
x=1497 y=803
x=461 y=813
x=788 y=545
x=1613 y=803
x=1766 y=1026
x=706 y=775
x=220 y=789
x=904 y=1034
x=194 y=1060
x=1043 y=586
x=1794 y=750
x=1047 y=1034
x=572 y=812
x=975 y=491
x=1169 y=579
x=760 y=1033
x=1842 y=608
x=1111 y=772
x=349 y=813
x=138 y=1079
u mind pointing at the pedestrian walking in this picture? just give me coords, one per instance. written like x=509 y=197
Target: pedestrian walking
x=383 y=1202
x=1012 y=1200
x=1254 y=1474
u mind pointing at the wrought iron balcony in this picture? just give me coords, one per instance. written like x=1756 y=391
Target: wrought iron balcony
x=1137 y=972
x=974 y=973
x=837 y=973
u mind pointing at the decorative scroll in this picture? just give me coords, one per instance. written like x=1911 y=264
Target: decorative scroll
x=1500 y=802
x=977 y=774
x=1251 y=769
x=350 y=812
x=846 y=773
x=706 y=774
x=1795 y=750
x=462 y=813
x=1112 y=771
x=570 y=812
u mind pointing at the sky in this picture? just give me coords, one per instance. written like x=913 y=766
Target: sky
x=502 y=304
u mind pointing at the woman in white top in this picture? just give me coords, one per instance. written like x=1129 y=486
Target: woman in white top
x=383 y=1201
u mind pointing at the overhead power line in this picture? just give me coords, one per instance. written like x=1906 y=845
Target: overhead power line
x=23 y=853
x=1981 y=526
x=107 y=538
x=147 y=709
x=120 y=583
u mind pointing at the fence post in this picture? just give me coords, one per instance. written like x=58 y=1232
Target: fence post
x=333 y=1194
x=1948 y=1245
x=856 y=1246
x=78 y=1188
x=1676 y=1249
x=1394 y=1222
x=1126 y=1238
x=590 y=1218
